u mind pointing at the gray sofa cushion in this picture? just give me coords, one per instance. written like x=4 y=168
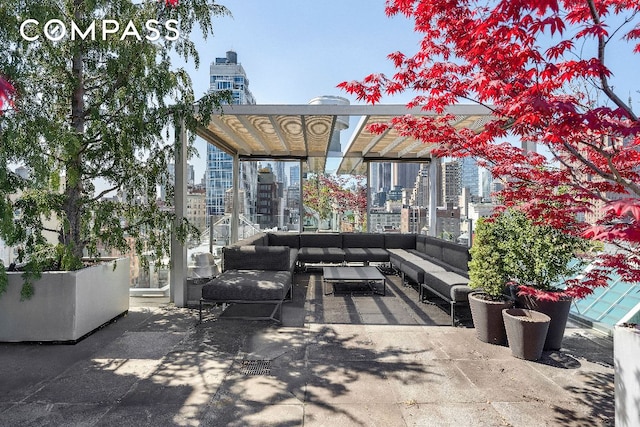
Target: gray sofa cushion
x=398 y=256
x=248 y=285
x=420 y=243
x=456 y=256
x=258 y=239
x=293 y=259
x=411 y=270
x=362 y=240
x=399 y=241
x=366 y=255
x=256 y=258
x=449 y=284
x=430 y=246
x=284 y=239
x=319 y=254
x=320 y=240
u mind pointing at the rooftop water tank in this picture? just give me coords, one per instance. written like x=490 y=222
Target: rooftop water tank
x=232 y=57
x=342 y=122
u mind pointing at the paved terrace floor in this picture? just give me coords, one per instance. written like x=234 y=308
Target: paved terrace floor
x=342 y=360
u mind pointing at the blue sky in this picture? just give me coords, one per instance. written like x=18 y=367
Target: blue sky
x=295 y=50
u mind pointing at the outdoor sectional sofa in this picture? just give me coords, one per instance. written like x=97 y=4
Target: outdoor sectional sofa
x=437 y=266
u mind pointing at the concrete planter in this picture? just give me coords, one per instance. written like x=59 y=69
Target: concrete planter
x=626 y=353
x=66 y=305
x=558 y=311
x=526 y=332
x=487 y=318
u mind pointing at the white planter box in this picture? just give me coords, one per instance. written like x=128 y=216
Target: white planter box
x=66 y=305
x=626 y=353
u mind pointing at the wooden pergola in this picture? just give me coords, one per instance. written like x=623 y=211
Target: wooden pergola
x=303 y=133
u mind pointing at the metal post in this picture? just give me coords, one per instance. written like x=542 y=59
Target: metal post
x=433 y=195
x=368 y=216
x=301 y=200
x=235 y=209
x=178 y=282
x=211 y=234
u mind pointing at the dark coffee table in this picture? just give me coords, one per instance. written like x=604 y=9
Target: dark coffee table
x=367 y=275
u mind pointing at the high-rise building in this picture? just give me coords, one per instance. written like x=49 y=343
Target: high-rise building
x=404 y=174
x=469 y=175
x=227 y=74
x=196 y=207
x=450 y=182
x=294 y=176
x=268 y=200
x=420 y=192
x=380 y=181
x=485 y=183
x=281 y=177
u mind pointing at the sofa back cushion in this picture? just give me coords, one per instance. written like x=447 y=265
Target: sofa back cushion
x=456 y=255
x=431 y=246
x=284 y=239
x=258 y=239
x=399 y=241
x=363 y=240
x=274 y=258
x=320 y=240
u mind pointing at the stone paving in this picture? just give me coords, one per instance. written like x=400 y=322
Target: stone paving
x=337 y=360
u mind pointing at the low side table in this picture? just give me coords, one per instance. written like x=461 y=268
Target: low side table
x=356 y=275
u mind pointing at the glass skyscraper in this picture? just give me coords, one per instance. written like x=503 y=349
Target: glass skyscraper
x=227 y=74
x=470 y=175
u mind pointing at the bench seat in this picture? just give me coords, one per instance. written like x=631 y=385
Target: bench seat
x=268 y=281
x=437 y=267
x=366 y=255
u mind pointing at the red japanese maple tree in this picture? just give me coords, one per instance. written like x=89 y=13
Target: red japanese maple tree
x=326 y=193
x=541 y=67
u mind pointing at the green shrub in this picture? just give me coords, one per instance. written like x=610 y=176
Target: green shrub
x=487 y=270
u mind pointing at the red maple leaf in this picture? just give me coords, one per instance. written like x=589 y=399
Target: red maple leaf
x=171 y=3
x=6 y=92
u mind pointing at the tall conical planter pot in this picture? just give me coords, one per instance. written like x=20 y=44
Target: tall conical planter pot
x=487 y=318
x=558 y=311
x=526 y=332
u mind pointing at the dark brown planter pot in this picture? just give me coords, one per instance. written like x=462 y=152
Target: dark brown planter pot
x=487 y=318
x=526 y=332
x=558 y=311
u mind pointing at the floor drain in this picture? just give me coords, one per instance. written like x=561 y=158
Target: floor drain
x=256 y=367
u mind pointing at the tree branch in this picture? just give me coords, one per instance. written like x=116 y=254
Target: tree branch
x=606 y=88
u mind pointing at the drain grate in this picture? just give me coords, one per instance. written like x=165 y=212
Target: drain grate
x=255 y=367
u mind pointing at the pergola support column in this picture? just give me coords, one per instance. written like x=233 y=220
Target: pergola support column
x=301 y=195
x=235 y=209
x=368 y=216
x=433 y=195
x=178 y=282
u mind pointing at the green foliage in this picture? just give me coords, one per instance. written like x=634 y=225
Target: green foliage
x=89 y=110
x=341 y=194
x=540 y=255
x=513 y=249
x=487 y=270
